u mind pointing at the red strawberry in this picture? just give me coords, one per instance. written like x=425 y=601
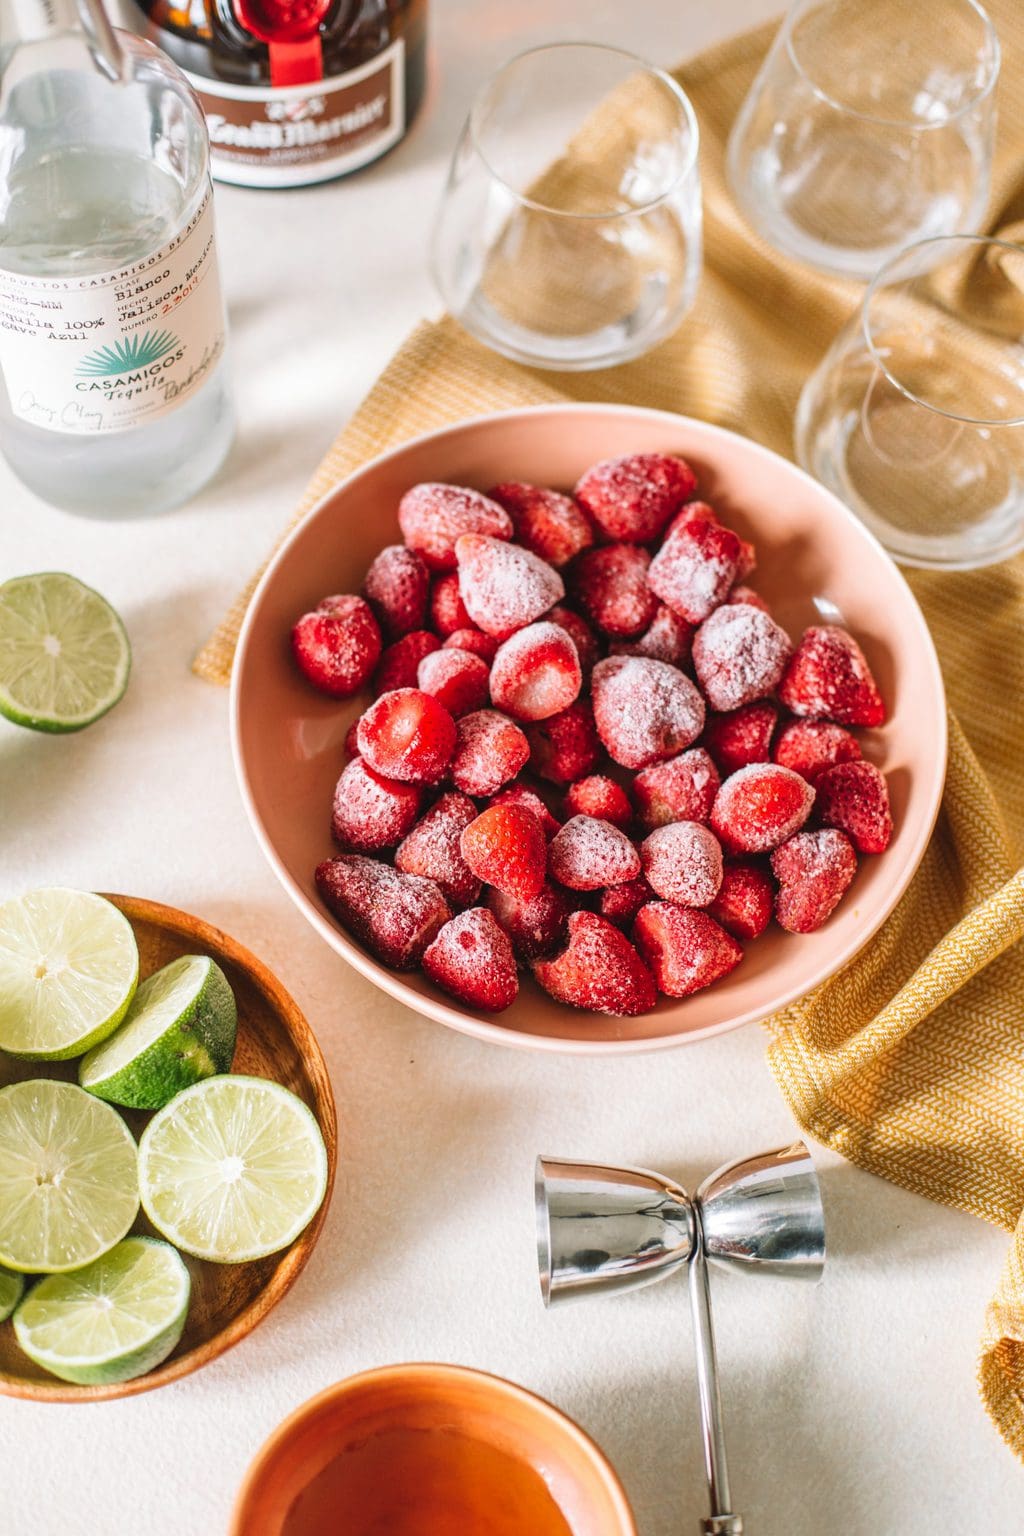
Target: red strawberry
x=396 y=587
x=432 y=849
x=610 y=585
x=742 y=736
x=855 y=798
x=338 y=645
x=565 y=747
x=621 y=903
x=683 y=863
x=748 y=595
x=691 y=512
x=549 y=524
x=686 y=950
x=580 y=633
x=407 y=735
x=743 y=905
x=505 y=846
x=448 y=612
x=828 y=678
x=758 y=807
x=808 y=746
x=598 y=969
x=739 y=654
x=632 y=498
x=472 y=959
x=473 y=640
x=535 y=927
x=519 y=794
x=644 y=710
x=814 y=870
x=587 y=854
x=396 y=916
x=399 y=664
x=599 y=796
x=694 y=569
x=457 y=679
x=489 y=751
x=371 y=812
x=669 y=638
x=351 y=744
x=682 y=789
x=536 y=673
x=504 y=587
x=432 y=517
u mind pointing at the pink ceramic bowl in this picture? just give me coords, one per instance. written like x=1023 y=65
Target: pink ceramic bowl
x=816 y=563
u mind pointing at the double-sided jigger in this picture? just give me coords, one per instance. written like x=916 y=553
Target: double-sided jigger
x=614 y=1229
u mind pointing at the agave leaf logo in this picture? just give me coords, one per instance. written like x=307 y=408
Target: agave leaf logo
x=129 y=353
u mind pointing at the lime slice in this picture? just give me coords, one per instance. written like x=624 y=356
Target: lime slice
x=69 y=966
x=179 y=1029
x=115 y=1319
x=64 y=654
x=11 y=1288
x=232 y=1169
x=68 y=1177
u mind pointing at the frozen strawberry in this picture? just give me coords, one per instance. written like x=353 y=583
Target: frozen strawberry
x=828 y=678
x=351 y=743
x=565 y=747
x=472 y=959
x=448 y=612
x=520 y=794
x=682 y=789
x=536 y=673
x=808 y=746
x=490 y=750
x=610 y=585
x=399 y=663
x=432 y=849
x=632 y=498
x=474 y=641
x=407 y=735
x=694 y=569
x=686 y=950
x=338 y=645
x=504 y=587
x=505 y=846
x=371 y=812
x=580 y=633
x=396 y=587
x=743 y=905
x=690 y=512
x=683 y=863
x=457 y=679
x=601 y=797
x=432 y=517
x=747 y=595
x=855 y=798
x=546 y=522
x=741 y=736
x=396 y=916
x=535 y=927
x=644 y=710
x=814 y=870
x=621 y=903
x=598 y=969
x=739 y=654
x=758 y=807
x=587 y=855
x=669 y=638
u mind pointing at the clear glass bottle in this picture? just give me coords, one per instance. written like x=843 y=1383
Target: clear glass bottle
x=113 y=389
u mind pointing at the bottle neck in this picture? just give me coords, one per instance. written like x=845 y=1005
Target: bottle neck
x=33 y=21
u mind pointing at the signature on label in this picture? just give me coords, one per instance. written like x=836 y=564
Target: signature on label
x=74 y=414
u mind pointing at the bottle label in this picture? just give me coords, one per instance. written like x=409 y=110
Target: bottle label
x=288 y=136
x=111 y=350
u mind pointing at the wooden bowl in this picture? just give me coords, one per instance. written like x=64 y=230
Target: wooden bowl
x=816 y=564
x=274 y=1041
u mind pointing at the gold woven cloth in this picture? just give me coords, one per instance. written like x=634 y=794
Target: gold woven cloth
x=911 y=1062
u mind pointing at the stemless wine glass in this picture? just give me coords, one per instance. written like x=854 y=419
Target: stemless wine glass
x=869 y=127
x=569 y=233
x=916 y=415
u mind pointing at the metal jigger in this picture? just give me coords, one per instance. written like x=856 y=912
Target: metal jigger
x=613 y=1229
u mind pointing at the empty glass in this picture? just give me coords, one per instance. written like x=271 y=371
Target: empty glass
x=569 y=234
x=916 y=415
x=869 y=127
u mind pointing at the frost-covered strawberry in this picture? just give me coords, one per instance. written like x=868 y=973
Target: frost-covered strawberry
x=759 y=807
x=745 y=897
x=536 y=673
x=694 y=569
x=433 y=516
x=610 y=585
x=682 y=789
x=396 y=587
x=371 y=812
x=598 y=969
x=597 y=795
x=474 y=641
x=432 y=849
x=521 y=794
x=338 y=645
x=739 y=654
x=396 y=916
x=399 y=663
x=741 y=736
x=505 y=847
x=448 y=612
x=546 y=522
x=809 y=746
x=668 y=638
x=855 y=798
x=580 y=633
x=457 y=679
x=828 y=678
x=587 y=854
x=565 y=747
x=644 y=710
x=685 y=949
x=407 y=735
x=503 y=586
x=814 y=871
x=621 y=903
x=632 y=498
x=683 y=863
x=472 y=959
x=490 y=750
x=536 y=927
x=742 y=594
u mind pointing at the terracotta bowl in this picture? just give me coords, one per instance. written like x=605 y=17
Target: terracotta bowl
x=275 y=1041
x=418 y=1449
x=816 y=563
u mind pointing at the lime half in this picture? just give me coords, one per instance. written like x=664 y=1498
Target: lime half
x=69 y=966
x=64 y=653
x=11 y=1288
x=179 y=1029
x=232 y=1169
x=115 y=1319
x=68 y=1177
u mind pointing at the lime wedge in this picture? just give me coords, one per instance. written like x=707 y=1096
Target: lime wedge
x=69 y=966
x=68 y=1177
x=232 y=1169
x=11 y=1288
x=115 y=1319
x=179 y=1029
x=64 y=653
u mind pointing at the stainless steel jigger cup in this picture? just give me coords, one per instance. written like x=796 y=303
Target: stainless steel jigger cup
x=613 y=1229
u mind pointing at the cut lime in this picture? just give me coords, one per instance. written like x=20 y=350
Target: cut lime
x=64 y=654
x=232 y=1169
x=11 y=1288
x=179 y=1029
x=68 y=1177
x=69 y=966
x=113 y=1320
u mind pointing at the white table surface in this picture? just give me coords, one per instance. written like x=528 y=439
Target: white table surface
x=851 y=1408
